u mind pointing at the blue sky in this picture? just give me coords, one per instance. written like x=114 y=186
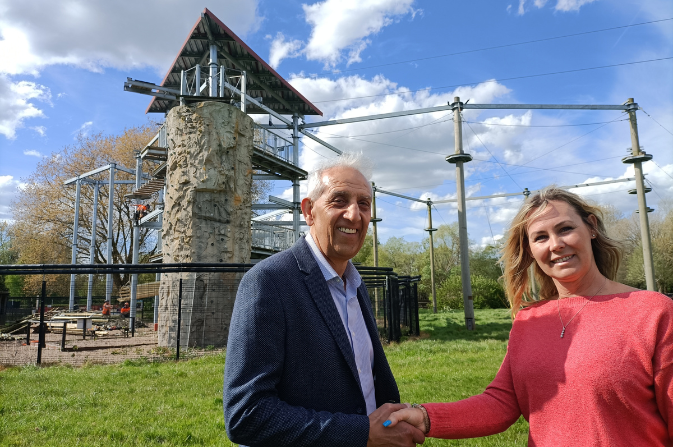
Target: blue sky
x=62 y=67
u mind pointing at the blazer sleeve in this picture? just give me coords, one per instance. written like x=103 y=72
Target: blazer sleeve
x=253 y=412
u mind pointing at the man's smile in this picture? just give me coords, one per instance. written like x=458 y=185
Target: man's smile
x=347 y=230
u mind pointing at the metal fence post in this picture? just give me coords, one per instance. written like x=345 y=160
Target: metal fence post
x=41 y=342
x=414 y=294
x=177 y=348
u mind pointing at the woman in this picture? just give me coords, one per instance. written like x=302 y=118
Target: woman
x=589 y=362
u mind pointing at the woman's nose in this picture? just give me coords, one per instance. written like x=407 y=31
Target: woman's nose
x=556 y=243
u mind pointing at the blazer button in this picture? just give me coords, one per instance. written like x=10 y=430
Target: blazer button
x=359 y=410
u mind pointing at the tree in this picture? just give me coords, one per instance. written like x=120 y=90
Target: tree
x=44 y=209
x=661 y=232
x=8 y=252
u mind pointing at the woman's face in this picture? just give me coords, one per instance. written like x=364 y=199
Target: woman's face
x=560 y=242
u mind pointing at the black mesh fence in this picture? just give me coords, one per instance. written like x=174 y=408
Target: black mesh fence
x=180 y=310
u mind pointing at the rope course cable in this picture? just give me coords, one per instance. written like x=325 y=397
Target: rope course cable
x=575 y=139
x=497 y=80
x=433 y=123
x=496 y=160
x=653 y=190
x=501 y=46
x=439 y=214
x=662 y=169
x=530 y=125
x=660 y=125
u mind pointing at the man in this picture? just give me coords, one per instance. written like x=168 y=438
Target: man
x=125 y=311
x=106 y=309
x=304 y=363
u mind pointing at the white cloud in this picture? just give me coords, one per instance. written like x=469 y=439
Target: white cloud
x=83 y=129
x=405 y=155
x=8 y=188
x=571 y=5
x=33 y=153
x=345 y=24
x=95 y=35
x=40 y=130
x=15 y=105
x=281 y=49
x=561 y=5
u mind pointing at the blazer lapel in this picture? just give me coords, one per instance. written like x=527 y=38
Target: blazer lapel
x=319 y=290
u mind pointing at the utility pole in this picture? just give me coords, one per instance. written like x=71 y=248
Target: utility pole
x=637 y=158
x=459 y=158
x=374 y=221
x=432 y=256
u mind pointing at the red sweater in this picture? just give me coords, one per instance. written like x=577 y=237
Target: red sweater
x=608 y=382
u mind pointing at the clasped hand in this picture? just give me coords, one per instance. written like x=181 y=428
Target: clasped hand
x=397 y=433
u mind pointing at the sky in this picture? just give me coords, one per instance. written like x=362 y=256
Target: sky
x=63 y=65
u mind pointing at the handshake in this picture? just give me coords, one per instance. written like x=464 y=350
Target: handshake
x=397 y=425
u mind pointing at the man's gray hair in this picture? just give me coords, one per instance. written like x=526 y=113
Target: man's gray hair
x=355 y=160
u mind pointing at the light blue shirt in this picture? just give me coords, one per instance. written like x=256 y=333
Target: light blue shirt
x=346 y=301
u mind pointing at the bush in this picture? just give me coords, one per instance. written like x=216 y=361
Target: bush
x=487 y=293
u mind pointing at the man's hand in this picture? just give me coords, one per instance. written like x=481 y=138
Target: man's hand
x=401 y=435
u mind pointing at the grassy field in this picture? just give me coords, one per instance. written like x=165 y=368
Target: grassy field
x=143 y=404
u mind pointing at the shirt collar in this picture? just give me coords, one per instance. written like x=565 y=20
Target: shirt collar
x=351 y=274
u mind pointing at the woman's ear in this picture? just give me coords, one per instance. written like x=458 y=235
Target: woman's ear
x=593 y=225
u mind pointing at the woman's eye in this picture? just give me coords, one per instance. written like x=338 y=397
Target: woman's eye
x=539 y=238
x=566 y=229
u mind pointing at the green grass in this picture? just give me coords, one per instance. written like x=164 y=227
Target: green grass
x=454 y=363
x=143 y=404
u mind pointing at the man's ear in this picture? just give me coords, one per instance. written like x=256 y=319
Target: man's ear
x=306 y=208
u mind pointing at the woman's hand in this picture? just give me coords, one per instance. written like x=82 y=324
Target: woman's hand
x=413 y=416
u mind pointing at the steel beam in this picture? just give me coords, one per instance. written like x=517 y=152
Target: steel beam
x=111 y=190
x=92 y=246
x=73 y=257
x=465 y=106
x=136 y=250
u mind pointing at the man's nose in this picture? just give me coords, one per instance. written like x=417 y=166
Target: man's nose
x=352 y=212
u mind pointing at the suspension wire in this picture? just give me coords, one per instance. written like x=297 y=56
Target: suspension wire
x=391 y=203
x=439 y=214
x=575 y=139
x=497 y=80
x=496 y=160
x=494 y=177
x=501 y=46
x=653 y=190
x=530 y=125
x=655 y=120
x=411 y=129
x=655 y=164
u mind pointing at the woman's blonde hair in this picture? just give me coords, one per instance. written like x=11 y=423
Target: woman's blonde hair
x=517 y=257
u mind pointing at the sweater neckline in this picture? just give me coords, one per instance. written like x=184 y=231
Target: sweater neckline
x=598 y=299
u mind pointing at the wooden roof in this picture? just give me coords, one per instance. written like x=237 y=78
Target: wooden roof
x=263 y=81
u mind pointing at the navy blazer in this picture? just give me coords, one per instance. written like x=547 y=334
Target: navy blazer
x=290 y=377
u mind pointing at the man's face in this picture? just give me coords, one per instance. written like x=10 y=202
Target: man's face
x=339 y=218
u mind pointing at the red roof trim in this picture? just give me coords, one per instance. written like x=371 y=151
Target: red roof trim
x=247 y=48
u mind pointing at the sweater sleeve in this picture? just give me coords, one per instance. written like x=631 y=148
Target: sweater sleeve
x=663 y=369
x=486 y=414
